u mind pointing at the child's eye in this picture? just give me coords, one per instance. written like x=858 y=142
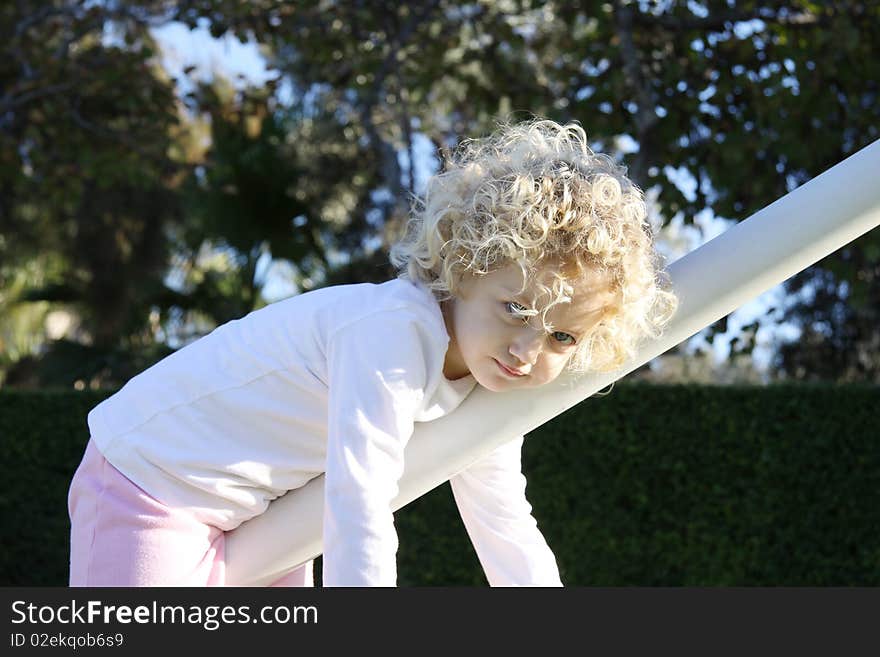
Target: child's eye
x=517 y=311
x=563 y=338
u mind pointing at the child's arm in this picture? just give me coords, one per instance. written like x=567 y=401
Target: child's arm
x=377 y=376
x=491 y=497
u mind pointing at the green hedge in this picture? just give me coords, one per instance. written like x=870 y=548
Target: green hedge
x=648 y=486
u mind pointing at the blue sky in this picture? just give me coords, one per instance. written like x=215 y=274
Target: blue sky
x=242 y=63
x=182 y=47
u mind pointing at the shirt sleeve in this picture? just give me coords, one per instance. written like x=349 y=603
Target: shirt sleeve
x=491 y=498
x=377 y=373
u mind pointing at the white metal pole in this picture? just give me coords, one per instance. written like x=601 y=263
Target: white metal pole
x=712 y=281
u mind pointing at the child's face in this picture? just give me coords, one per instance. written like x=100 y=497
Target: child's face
x=503 y=352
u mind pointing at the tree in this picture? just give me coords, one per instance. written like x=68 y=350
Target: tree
x=86 y=181
x=839 y=338
x=271 y=185
x=752 y=98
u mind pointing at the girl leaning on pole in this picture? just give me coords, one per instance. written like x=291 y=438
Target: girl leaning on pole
x=530 y=254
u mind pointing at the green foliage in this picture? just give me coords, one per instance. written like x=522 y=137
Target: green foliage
x=100 y=177
x=752 y=97
x=85 y=177
x=65 y=362
x=43 y=438
x=649 y=486
x=836 y=306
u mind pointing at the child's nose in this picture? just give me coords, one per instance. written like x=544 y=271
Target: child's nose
x=527 y=346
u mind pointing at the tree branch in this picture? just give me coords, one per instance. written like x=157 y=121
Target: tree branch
x=646 y=116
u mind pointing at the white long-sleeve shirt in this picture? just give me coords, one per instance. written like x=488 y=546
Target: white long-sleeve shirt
x=330 y=382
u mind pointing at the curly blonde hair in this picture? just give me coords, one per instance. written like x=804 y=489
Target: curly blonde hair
x=535 y=194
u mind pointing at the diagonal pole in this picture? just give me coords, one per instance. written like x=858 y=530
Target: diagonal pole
x=712 y=281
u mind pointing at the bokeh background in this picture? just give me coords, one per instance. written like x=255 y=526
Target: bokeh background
x=166 y=167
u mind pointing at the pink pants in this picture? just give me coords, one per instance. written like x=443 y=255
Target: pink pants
x=120 y=536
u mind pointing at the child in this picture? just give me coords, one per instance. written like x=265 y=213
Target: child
x=529 y=255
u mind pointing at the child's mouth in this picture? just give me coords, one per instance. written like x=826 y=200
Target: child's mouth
x=508 y=371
